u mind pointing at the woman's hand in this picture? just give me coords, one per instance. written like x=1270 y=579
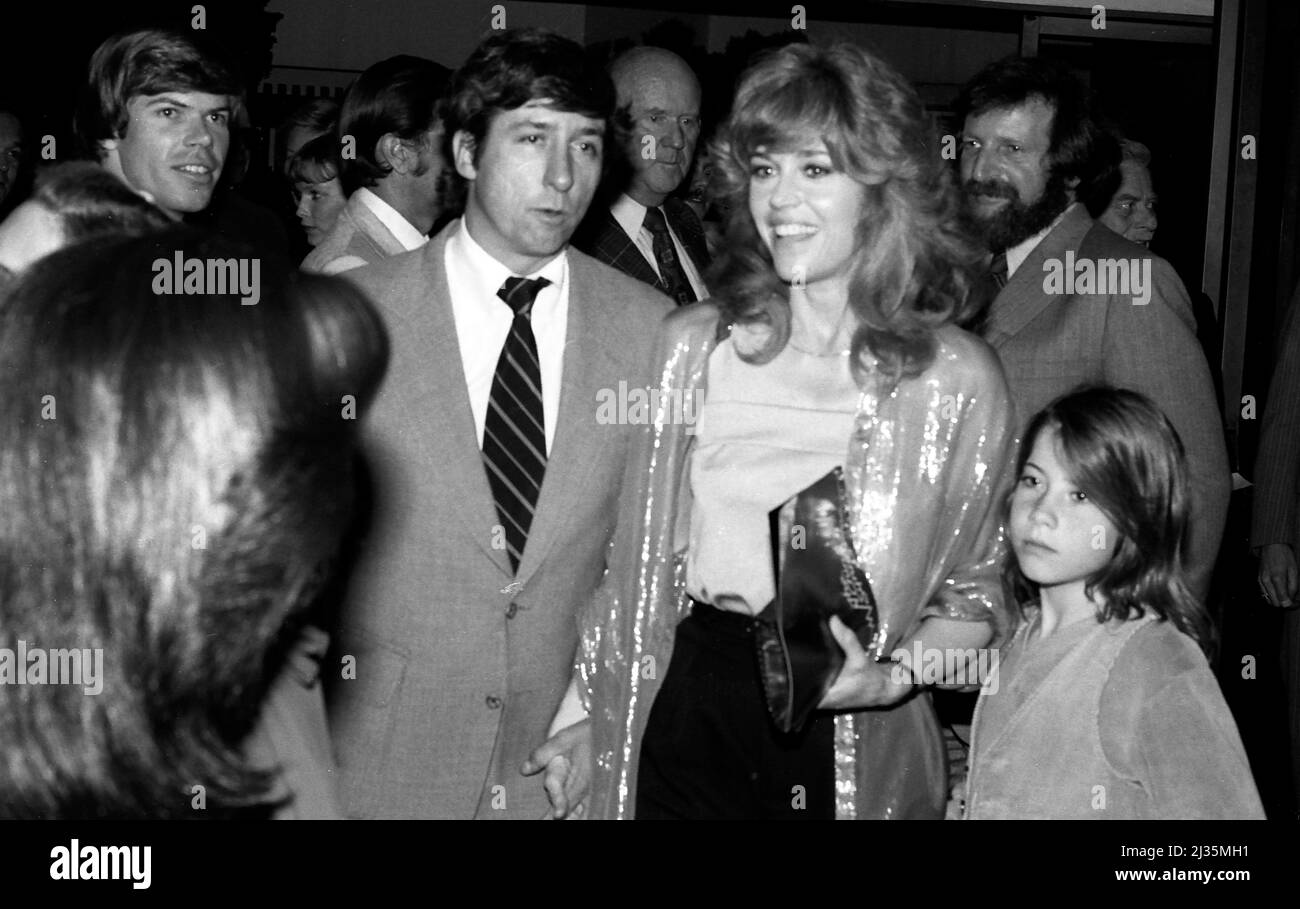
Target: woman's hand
x=862 y=681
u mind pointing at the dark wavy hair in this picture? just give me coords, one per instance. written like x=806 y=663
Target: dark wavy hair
x=915 y=265
x=1014 y=80
x=176 y=473
x=401 y=95
x=1124 y=454
x=519 y=65
x=147 y=62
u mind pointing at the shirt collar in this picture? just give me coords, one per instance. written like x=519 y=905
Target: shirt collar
x=401 y=229
x=629 y=213
x=491 y=274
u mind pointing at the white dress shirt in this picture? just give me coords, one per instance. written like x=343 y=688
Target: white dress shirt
x=630 y=215
x=399 y=227
x=1017 y=254
x=483 y=322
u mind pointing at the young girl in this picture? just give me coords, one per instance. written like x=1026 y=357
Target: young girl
x=1103 y=705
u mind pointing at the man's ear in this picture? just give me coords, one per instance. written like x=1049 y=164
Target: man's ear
x=462 y=153
x=397 y=154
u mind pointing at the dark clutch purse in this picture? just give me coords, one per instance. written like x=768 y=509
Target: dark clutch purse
x=817 y=576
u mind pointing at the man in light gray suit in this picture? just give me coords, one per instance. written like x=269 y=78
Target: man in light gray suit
x=1069 y=312
x=397 y=178
x=495 y=486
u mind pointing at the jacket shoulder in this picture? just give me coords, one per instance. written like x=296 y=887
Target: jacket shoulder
x=622 y=296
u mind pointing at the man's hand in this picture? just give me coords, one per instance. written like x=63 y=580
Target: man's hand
x=862 y=681
x=566 y=758
x=1278 y=577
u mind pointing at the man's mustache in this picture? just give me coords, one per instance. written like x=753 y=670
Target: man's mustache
x=989 y=188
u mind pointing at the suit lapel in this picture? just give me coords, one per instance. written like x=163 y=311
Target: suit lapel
x=1023 y=298
x=619 y=250
x=451 y=441
x=577 y=437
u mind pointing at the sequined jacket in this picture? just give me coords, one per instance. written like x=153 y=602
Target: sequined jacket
x=927 y=470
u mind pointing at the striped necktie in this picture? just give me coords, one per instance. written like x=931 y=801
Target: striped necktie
x=514 y=434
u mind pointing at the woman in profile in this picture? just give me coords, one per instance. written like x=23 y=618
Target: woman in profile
x=831 y=343
x=176 y=478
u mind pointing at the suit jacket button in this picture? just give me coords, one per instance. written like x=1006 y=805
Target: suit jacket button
x=512 y=588
x=512 y=610
x=493 y=702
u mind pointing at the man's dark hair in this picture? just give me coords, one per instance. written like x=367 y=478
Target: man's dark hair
x=91 y=202
x=147 y=62
x=1104 y=177
x=317 y=116
x=1012 y=81
x=513 y=67
x=400 y=95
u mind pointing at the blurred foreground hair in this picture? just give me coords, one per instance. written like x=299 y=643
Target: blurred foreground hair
x=176 y=473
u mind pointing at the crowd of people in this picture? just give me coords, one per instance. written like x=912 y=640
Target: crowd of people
x=375 y=547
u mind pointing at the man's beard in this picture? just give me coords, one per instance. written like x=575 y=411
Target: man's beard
x=1015 y=222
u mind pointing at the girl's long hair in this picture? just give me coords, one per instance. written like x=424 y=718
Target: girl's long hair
x=1125 y=455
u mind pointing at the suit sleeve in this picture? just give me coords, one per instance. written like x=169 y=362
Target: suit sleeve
x=1152 y=349
x=1277 y=468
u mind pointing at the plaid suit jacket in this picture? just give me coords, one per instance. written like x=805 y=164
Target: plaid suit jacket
x=601 y=237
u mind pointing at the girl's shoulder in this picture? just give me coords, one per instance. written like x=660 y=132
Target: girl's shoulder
x=1156 y=653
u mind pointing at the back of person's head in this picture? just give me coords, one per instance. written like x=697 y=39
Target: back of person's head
x=512 y=68
x=176 y=472
x=1122 y=452
x=1012 y=81
x=91 y=202
x=1104 y=174
x=316 y=116
x=399 y=96
x=913 y=269
x=73 y=202
x=317 y=161
x=146 y=62
x=313 y=118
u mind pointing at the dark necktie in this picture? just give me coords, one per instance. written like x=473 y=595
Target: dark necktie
x=998 y=270
x=670 y=267
x=514 y=434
